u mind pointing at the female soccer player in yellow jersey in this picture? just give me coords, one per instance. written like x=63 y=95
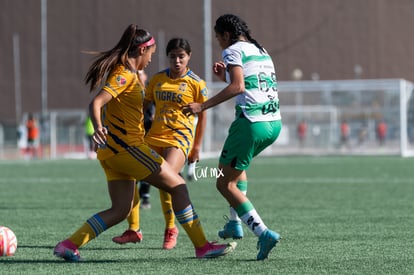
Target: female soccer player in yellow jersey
x=249 y=71
x=117 y=115
x=171 y=133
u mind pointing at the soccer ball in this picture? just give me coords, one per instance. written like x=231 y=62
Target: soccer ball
x=8 y=242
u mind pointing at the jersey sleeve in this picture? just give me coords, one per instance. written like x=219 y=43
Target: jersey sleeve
x=232 y=56
x=149 y=90
x=201 y=92
x=118 y=81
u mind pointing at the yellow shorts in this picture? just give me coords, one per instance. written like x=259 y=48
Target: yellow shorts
x=159 y=146
x=137 y=163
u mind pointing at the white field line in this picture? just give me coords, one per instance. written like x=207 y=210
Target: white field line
x=39 y=180
x=315 y=180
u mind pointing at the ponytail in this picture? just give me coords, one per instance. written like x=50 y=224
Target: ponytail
x=131 y=40
x=236 y=27
x=248 y=36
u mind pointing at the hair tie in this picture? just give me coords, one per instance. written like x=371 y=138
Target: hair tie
x=148 y=43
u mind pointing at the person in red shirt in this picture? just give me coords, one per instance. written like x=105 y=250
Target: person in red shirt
x=32 y=136
x=301 y=131
x=381 y=132
x=345 y=133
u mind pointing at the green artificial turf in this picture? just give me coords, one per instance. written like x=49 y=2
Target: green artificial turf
x=336 y=215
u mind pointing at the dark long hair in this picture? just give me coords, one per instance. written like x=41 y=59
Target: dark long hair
x=127 y=46
x=236 y=27
x=178 y=43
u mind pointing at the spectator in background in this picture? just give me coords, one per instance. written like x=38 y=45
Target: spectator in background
x=90 y=151
x=32 y=137
x=362 y=134
x=345 y=133
x=301 y=131
x=22 y=138
x=381 y=132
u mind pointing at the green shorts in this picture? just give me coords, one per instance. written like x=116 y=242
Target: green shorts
x=246 y=140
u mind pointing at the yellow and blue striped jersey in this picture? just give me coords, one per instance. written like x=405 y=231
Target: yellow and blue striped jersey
x=123 y=115
x=170 y=126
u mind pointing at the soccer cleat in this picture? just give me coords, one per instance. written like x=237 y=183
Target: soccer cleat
x=145 y=204
x=212 y=250
x=267 y=240
x=232 y=229
x=67 y=250
x=191 y=171
x=129 y=236
x=170 y=238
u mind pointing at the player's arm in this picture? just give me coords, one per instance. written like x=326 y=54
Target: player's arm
x=198 y=139
x=235 y=87
x=95 y=107
x=146 y=105
x=149 y=98
x=219 y=69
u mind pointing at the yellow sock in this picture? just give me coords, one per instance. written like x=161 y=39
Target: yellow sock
x=133 y=217
x=189 y=221
x=167 y=210
x=88 y=231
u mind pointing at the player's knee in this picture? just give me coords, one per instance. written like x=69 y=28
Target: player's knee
x=224 y=187
x=179 y=191
x=122 y=211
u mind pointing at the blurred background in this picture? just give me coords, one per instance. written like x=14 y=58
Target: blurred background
x=345 y=69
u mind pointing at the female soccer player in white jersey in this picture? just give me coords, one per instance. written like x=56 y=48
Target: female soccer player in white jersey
x=249 y=71
x=172 y=134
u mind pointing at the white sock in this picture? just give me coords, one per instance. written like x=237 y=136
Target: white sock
x=233 y=213
x=254 y=222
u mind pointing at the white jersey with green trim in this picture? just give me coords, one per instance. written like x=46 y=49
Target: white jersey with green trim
x=260 y=101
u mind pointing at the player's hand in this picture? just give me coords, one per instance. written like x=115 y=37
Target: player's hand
x=193 y=156
x=99 y=137
x=219 y=69
x=192 y=108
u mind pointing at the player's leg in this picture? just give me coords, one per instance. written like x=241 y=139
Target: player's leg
x=121 y=193
x=233 y=226
x=168 y=180
x=121 y=188
x=144 y=194
x=29 y=149
x=170 y=231
x=176 y=158
x=133 y=234
x=227 y=186
x=234 y=141
x=245 y=141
